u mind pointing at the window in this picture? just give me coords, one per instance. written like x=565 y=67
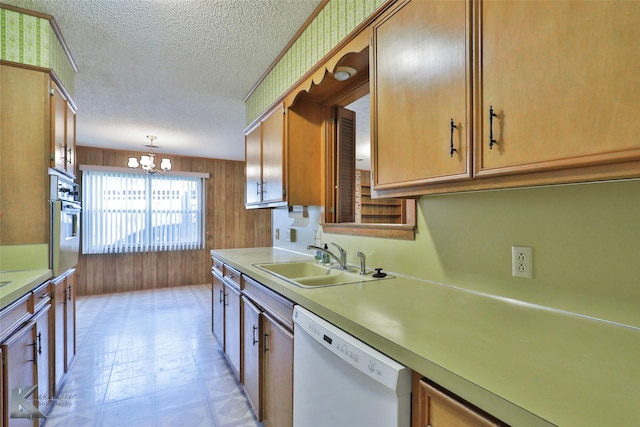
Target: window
x=129 y=212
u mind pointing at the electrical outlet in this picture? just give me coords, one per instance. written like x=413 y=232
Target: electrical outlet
x=522 y=261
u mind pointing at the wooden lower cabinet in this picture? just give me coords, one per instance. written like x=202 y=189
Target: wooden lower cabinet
x=226 y=321
x=252 y=350
x=37 y=346
x=435 y=407
x=217 y=308
x=232 y=331
x=41 y=341
x=63 y=325
x=70 y=321
x=19 y=354
x=254 y=327
x=278 y=374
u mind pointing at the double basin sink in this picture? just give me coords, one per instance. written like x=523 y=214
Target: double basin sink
x=309 y=274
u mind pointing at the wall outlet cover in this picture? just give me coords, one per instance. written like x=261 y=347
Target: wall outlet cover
x=522 y=261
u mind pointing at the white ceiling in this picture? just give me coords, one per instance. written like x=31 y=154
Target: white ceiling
x=177 y=69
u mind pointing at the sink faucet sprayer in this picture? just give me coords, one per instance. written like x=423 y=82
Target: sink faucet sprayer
x=341 y=258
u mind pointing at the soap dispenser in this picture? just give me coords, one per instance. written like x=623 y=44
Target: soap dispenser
x=325 y=256
x=317 y=243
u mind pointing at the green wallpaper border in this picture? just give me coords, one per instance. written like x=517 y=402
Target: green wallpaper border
x=334 y=22
x=31 y=40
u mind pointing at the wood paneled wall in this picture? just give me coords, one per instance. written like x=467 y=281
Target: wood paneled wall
x=228 y=225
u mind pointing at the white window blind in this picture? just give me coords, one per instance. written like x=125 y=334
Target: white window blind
x=129 y=212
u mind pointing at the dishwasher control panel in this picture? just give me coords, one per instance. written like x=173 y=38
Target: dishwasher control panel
x=350 y=349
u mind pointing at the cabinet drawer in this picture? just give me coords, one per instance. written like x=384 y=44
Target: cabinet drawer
x=218 y=266
x=278 y=306
x=232 y=276
x=41 y=297
x=14 y=315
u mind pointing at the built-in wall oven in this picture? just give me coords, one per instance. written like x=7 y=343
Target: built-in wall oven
x=65 y=222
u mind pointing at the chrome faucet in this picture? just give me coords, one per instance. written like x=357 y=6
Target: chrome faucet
x=363 y=267
x=341 y=258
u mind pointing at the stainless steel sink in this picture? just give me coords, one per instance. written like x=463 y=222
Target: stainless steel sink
x=308 y=274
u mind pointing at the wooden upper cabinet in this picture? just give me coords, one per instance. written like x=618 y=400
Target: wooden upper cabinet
x=273 y=156
x=58 y=126
x=264 y=160
x=63 y=132
x=70 y=141
x=253 y=165
x=420 y=65
x=562 y=78
x=283 y=157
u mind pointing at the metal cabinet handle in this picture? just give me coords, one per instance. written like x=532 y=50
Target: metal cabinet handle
x=265 y=190
x=257 y=188
x=451 y=149
x=221 y=301
x=253 y=335
x=266 y=348
x=491 y=116
x=68 y=293
x=34 y=344
x=39 y=342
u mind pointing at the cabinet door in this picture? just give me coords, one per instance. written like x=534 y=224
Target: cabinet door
x=70 y=141
x=421 y=85
x=44 y=392
x=24 y=156
x=217 y=306
x=253 y=165
x=70 y=320
x=232 y=328
x=562 y=78
x=252 y=349
x=273 y=156
x=59 y=307
x=19 y=371
x=58 y=126
x=278 y=374
x=435 y=408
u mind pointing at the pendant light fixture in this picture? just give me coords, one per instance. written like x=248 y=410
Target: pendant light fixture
x=148 y=161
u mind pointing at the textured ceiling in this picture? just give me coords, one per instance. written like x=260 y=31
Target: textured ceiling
x=178 y=69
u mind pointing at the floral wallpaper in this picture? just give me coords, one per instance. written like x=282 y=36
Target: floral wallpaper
x=336 y=20
x=30 y=40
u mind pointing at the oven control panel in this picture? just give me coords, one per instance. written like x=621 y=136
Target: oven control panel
x=62 y=187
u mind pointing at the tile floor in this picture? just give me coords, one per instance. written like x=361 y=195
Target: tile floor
x=148 y=358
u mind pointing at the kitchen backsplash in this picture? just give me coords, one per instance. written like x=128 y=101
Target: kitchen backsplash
x=584 y=240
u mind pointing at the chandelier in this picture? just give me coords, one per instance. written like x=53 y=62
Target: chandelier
x=148 y=161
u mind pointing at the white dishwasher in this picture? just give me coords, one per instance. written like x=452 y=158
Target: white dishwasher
x=340 y=381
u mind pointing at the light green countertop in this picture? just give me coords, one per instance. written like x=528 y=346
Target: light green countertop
x=14 y=284
x=525 y=364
